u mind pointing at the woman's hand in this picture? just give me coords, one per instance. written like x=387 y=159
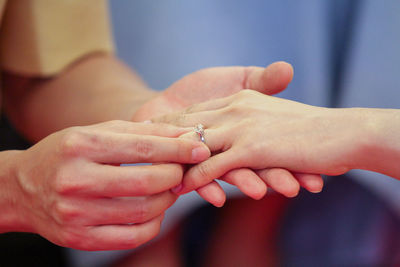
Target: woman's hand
x=72 y=191
x=219 y=82
x=256 y=131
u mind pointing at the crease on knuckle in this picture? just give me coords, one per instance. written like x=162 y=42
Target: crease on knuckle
x=144 y=150
x=204 y=174
x=181 y=119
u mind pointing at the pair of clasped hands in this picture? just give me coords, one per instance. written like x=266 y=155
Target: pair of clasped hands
x=245 y=133
x=83 y=198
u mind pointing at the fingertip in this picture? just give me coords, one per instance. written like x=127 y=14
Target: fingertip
x=285 y=68
x=177 y=189
x=291 y=189
x=247 y=181
x=260 y=193
x=278 y=75
x=316 y=187
x=311 y=182
x=200 y=153
x=213 y=193
x=219 y=203
x=218 y=200
x=256 y=189
x=292 y=193
x=281 y=181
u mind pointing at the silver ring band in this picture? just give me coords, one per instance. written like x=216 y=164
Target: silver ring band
x=199 y=129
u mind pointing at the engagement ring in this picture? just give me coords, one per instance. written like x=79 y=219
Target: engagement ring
x=199 y=129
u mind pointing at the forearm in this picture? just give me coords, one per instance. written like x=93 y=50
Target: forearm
x=380 y=141
x=9 y=196
x=97 y=88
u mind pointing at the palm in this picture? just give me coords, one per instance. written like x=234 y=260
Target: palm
x=213 y=83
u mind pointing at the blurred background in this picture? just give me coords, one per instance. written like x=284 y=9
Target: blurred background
x=344 y=53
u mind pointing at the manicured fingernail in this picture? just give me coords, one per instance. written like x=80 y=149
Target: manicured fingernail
x=177 y=189
x=200 y=153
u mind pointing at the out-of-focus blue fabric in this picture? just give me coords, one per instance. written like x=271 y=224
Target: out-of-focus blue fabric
x=165 y=40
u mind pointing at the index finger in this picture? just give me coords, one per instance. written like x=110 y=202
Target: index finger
x=118 y=148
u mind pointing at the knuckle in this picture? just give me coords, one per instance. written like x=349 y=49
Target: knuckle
x=254 y=148
x=114 y=123
x=73 y=142
x=204 y=171
x=64 y=183
x=234 y=109
x=244 y=93
x=65 y=213
x=190 y=109
x=119 y=124
x=238 y=107
x=178 y=119
x=144 y=150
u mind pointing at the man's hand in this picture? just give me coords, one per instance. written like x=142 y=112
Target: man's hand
x=214 y=83
x=71 y=189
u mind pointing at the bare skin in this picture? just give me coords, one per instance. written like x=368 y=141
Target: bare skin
x=256 y=131
x=70 y=189
x=218 y=82
x=71 y=170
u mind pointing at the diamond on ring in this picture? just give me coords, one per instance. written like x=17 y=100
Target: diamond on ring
x=199 y=129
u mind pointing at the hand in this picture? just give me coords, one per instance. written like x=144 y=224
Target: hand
x=214 y=83
x=73 y=192
x=252 y=130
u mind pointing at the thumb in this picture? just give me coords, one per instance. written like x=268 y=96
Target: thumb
x=270 y=80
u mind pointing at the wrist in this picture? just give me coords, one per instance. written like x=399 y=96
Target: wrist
x=357 y=129
x=12 y=218
x=381 y=142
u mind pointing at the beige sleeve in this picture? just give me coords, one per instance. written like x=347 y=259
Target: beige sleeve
x=42 y=37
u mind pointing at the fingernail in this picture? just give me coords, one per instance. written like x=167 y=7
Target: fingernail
x=316 y=191
x=177 y=189
x=147 y=121
x=200 y=153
